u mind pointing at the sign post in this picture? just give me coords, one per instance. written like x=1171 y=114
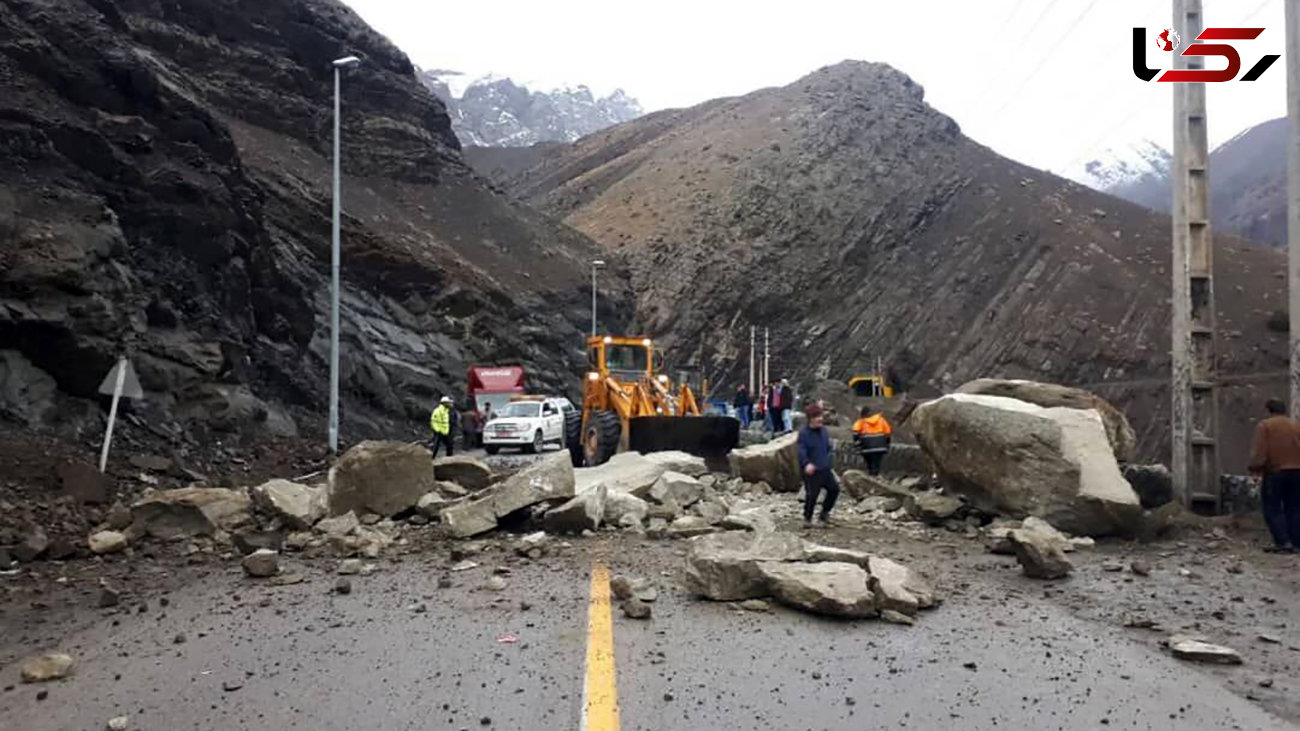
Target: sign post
x=119 y=382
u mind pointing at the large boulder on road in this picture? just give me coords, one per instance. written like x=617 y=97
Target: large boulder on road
x=627 y=472
x=687 y=464
x=190 y=511
x=548 y=479
x=384 y=478
x=1016 y=458
x=776 y=463
x=677 y=489
x=299 y=506
x=736 y=566
x=470 y=473
x=625 y=509
x=1041 y=556
x=834 y=589
x=1123 y=440
x=726 y=566
x=582 y=512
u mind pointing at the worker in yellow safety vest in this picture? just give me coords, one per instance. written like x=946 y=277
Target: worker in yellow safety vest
x=440 y=422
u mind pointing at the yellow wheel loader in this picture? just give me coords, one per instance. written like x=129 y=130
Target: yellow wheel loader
x=626 y=405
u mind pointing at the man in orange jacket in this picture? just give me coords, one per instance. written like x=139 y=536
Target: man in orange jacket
x=873 y=434
x=1275 y=457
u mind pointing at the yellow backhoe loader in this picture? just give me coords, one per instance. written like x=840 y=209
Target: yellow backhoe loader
x=626 y=405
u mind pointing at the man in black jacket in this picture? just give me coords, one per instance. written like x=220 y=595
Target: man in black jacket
x=815 y=464
x=744 y=406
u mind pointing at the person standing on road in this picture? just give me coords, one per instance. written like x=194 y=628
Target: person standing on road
x=1275 y=457
x=440 y=421
x=873 y=434
x=815 y=464
x=744 y=406
x=775 y=407
x=472 y=427
x=787 y=406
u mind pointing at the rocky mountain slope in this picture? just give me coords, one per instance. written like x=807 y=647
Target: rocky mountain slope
x=497 y=112
x=165 y=192
x=1247 y=185
x=857 y=222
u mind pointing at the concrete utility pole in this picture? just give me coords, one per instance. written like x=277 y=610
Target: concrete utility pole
x=335 y=256
x=753 y=336
x=1293 y=192
x=1194 y=421
x=594 y=266
x=767 y=355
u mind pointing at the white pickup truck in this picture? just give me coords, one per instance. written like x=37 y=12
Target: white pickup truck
x=528 y=424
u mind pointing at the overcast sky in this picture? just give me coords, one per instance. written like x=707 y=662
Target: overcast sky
x=1051 y=87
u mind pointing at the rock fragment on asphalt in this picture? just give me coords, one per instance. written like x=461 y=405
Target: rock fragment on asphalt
x=636 y=609
x=46 y=667
x=1196 y=649
x=1040 y=556
x=106 y=541
x=261 y=563
x=621 y=587
x=343 y=585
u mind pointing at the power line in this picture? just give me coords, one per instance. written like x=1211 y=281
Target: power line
x=1028 y=34
x=1050 y=54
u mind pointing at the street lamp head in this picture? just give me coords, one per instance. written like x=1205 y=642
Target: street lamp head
x=346 y=62
x=598 y=263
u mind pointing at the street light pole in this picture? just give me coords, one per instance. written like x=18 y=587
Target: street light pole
x=339 y=65
x=594 y=266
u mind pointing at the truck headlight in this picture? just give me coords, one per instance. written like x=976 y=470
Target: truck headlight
x=593 y=376
x=663 y=378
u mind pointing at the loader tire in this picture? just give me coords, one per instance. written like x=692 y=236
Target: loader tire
x=601 y=438
x=573 y=436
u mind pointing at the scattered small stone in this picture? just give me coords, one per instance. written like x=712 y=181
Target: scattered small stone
x=42 y=695
x=1197 y=650
x=343 y=585
x=1112 y=566
x=1236 y=568
x=118 y=724
x=418 y=608
x=485 y=721
x=495 y=583
x=669 y=697
x=970 y=666
x=465 y=566
x=1140 y=568
x=164 y=602
x=262 y=563
x=50 y=666
x=179 y=639
x=109 y=597
x=636 y=609
x=287 y=579
x=350 y=566
x=1270 y=639
x=230 y=686
x=621 y=587
x=1266 y=683
x=444 y=582
x=850 y=701
x=106 y=542
x=895 y=617
x=524 y=606
x=647 y=594
x=756 y=605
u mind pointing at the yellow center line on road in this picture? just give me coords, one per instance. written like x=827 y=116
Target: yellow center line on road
x=600 y=693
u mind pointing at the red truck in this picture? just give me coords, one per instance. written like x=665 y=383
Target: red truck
x=494 y=385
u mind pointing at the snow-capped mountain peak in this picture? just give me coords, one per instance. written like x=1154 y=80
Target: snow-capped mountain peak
x=1125 y=165
x=496 y=111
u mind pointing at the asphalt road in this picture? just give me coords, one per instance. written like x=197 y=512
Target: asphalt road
x=402 y=653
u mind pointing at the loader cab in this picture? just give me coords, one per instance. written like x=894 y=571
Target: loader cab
x=627 y=359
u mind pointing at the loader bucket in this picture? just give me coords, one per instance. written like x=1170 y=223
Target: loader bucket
x=703 y=436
